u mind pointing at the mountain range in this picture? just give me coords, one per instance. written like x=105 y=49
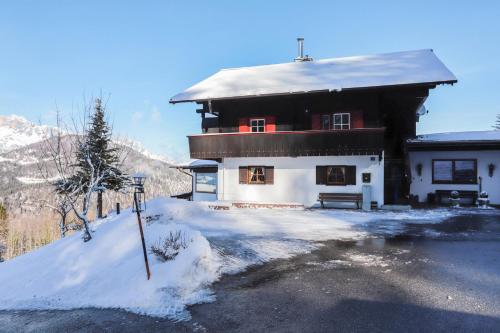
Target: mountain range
x=24 y=190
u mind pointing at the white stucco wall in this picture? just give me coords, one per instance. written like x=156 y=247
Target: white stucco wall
x=422 y=185
x=295 y=179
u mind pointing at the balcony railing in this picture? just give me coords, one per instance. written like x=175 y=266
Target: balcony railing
x=365 y=141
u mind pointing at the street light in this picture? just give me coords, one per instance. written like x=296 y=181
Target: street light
x=139 y=197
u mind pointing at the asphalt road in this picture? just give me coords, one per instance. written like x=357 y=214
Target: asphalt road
x=429 y=278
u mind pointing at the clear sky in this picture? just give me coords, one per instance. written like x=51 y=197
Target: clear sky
x=141 y=53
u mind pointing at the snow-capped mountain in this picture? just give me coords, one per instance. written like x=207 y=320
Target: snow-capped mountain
x=17 y=131
x=22 y=155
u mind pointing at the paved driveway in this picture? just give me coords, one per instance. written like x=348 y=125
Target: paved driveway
x=437 y=277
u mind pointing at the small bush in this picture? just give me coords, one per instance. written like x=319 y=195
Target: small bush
x=169 y=247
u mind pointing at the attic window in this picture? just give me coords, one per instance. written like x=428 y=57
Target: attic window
x=257 y=125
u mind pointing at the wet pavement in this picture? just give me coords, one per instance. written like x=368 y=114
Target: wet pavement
x=423 y=277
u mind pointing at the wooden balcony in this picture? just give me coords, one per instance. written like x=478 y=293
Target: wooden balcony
x=365 y=141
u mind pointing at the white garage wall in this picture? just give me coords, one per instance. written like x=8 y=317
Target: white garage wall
x=295 y=179
x=422 y=185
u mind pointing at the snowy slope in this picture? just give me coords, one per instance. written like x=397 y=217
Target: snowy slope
x=109 y=272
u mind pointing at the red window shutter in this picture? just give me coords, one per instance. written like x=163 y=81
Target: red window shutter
x=315 y=122
x=243 y=125
x=320 y=175
x=350 y=177
x=357 y=119
x=243 y=175
x=270 y=123
x=269 y=174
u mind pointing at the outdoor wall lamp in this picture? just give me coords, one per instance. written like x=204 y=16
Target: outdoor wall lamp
x=491 y=169
x=419 y=169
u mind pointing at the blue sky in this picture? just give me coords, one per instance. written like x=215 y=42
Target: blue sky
x=141 y=53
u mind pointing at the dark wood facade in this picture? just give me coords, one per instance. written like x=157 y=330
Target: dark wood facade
x=290 y=143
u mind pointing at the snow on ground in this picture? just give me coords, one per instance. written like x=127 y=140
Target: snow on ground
x=108 y=271
x=31 y=180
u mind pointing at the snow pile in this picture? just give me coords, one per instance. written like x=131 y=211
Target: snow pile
x=109 y=272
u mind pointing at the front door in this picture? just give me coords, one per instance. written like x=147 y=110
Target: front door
x=395 y=182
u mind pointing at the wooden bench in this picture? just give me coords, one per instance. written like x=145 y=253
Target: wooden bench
x=340 y=197
x=462 y=194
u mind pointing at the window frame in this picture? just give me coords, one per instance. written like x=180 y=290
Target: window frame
x=249 y=175
x=453 y=178
x=341 y=114
x=257 y=126
x=196 y=182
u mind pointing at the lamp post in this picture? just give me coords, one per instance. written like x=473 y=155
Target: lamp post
x=139 y=198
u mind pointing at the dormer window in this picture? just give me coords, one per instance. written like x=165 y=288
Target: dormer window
x=257 y=125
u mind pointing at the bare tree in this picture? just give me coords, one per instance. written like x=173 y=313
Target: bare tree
x=55 y=166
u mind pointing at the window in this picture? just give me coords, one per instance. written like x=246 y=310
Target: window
x=341 y=121
x=336 y=121
x=257 y=125
x=335 y=175
x=454 y=171
x=325 y=121
x=256 y=175
x=206 y=182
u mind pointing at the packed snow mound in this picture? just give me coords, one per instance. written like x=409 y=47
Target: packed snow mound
x=109 y=272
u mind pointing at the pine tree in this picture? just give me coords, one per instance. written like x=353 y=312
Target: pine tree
x=497 y=124
x=97 y=166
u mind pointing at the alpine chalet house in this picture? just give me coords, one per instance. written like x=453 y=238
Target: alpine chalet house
x=313 y=130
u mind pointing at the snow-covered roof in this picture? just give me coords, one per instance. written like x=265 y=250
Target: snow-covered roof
x=458 y=136
x=194 y=164
x=335 y=74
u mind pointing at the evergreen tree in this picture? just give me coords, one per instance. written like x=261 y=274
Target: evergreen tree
x=97 y=167
x=497 y=124
x=97 y=158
